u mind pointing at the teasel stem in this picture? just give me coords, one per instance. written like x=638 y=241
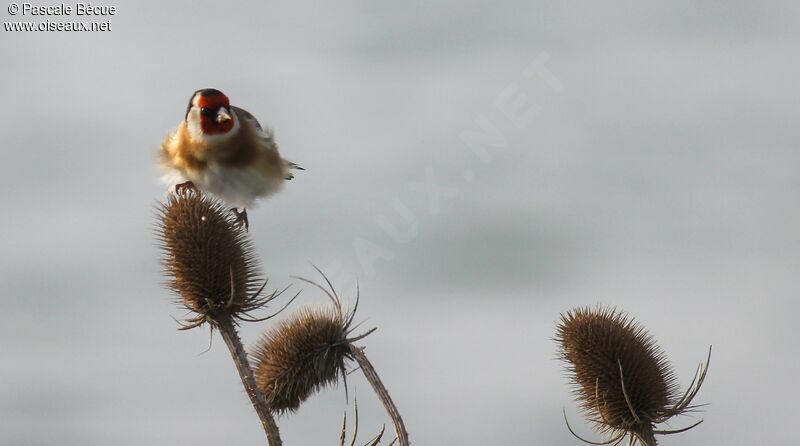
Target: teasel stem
x=383 y=394
x=648 y=438
x=239 y=355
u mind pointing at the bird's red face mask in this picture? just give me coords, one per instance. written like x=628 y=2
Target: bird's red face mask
x=216 y=117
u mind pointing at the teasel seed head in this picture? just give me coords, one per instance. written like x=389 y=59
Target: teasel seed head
x=209 y=261
x=305 y=352
x=621 y=378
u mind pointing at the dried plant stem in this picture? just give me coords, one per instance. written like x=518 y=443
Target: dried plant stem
x=231 y=337
x=383 y=394
x=648 y=438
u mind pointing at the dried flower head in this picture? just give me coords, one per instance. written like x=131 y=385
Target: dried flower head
x=622 y=379
x=304 y=353
x=209 y=259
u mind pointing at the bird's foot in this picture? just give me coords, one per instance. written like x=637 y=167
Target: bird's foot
x=185 y=186
x=241 y=218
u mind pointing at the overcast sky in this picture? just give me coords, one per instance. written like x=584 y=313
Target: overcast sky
x=637 y=155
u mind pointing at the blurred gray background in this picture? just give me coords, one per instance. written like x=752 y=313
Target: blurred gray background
x=479 y=168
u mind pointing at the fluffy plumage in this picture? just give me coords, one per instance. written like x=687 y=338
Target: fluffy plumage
x=223 y=150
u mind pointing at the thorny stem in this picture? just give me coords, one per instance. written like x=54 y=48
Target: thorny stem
x=383 y=394
x=231 y=337
x=647 y=437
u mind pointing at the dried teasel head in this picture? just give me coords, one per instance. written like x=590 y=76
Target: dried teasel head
x=305 y=352
x=209 y=260
x=621 y=378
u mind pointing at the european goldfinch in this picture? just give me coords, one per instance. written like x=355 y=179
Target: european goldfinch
x=223 y=150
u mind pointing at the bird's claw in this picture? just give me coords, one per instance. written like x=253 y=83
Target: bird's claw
x=185 y=186
x=241 y=218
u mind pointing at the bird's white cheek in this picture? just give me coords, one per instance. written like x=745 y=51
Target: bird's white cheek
x=193 y=125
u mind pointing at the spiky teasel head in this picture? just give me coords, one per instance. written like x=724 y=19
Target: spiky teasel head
x=305 y=352
x=209 y=260
x=622 y=379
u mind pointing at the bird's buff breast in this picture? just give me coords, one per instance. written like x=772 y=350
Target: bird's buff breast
x=237 y=184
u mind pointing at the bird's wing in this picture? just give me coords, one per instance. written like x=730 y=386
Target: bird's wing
x=245 y=115
x=268 y=137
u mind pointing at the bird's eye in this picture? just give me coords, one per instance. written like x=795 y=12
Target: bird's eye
x=205 y=111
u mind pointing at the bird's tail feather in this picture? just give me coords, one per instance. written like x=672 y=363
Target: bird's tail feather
x=294 y=165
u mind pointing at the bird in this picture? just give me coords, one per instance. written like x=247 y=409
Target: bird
x=222 y=149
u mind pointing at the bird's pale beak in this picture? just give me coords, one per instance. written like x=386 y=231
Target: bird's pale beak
x=222 y=116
